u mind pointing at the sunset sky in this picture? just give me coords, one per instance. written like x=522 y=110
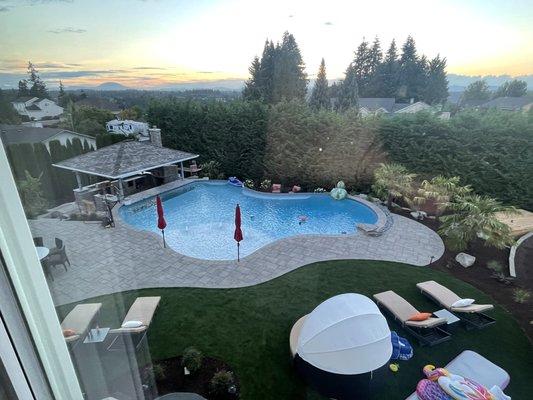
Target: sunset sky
x=158 y=43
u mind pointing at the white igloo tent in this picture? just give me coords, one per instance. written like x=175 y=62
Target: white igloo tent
x=346 y=334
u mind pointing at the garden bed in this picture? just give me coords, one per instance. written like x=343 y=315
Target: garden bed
x=479 y=275
x=173 y=378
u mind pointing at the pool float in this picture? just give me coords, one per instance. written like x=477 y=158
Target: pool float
x=401 y=348
x=394 y=367
x=339 y=192
x=430 y=390
x=234 y=181
x=433 y=373
x=461 y=388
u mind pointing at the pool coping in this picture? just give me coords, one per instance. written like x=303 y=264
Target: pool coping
x=382 y=217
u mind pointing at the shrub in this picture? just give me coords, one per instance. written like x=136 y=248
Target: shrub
x=495 y=265
x=192 y=359
x=159 y=372
x=221 y=382
x=266 y=184
x=211 y=169
x=31 y=195
x=320 y=190
x=521 y=295
x=249 y=183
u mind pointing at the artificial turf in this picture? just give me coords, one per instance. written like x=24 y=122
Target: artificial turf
x=249 y=327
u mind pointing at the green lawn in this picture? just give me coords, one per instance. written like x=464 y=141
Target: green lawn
x=249 y=328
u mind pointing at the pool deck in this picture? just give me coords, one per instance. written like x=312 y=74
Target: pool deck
x=109 y=260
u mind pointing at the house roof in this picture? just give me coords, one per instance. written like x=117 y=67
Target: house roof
x=24 y=99
x=13 y=134
x=123 y=159
x=375 y=103
x=508 y=103
x=402 y=106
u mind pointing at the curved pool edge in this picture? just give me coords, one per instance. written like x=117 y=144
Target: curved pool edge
x=382 y=218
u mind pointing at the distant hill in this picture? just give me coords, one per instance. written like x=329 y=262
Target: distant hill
x=111 y=86
x=460 y=82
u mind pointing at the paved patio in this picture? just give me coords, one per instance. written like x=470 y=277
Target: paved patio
x=109 y=260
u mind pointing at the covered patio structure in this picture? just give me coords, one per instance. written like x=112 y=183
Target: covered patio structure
x=123 y=164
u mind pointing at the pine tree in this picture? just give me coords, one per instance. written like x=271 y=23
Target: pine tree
x=265 y=79
x=362 y=66
x=44 y=165
x=387 y=73
x=320 y=95
x=290 y=79
x=38 y=87
x=23 y=88
x=252 y=89
x=348 y=92
x=375 y=58
x=62 y=96
x=436 y=90
x=411 y=73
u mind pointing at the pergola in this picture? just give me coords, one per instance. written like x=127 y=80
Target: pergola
x=123 y=160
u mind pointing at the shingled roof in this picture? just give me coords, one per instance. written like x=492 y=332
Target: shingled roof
x=124 y=159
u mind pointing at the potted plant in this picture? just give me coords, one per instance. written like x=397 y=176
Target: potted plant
x=191 y=360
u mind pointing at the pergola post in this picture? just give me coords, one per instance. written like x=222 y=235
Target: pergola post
x=120 y=190
x=78 y=179
x=182 y=172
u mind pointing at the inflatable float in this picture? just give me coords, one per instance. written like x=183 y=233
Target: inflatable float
x=235 y=182
x=339 y=192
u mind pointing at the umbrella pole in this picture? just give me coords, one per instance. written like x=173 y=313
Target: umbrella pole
x=238 y=252
x=164 y=243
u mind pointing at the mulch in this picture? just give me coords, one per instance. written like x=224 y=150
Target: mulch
x=175 y=380
x=479 y=276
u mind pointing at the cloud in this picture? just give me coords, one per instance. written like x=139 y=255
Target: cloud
x=4 y=9
x=148 y=68
x=68 y=29
x=329 y=23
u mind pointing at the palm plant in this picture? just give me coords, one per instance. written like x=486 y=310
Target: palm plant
x=392 y=181
x=473 y=216
x=441 y=190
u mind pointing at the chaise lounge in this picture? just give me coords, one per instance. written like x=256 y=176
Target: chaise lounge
x=137 y=321
x=428 y=332
x=472 y=316
x=79 y=320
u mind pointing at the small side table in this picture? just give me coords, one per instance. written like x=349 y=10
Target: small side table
x=451 y=319
x=96 y=335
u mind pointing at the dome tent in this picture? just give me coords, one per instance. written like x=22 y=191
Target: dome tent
x=347 y=335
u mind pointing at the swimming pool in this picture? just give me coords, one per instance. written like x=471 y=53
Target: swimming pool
x=200 y=218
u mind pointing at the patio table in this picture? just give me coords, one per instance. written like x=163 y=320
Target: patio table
x=42 y=252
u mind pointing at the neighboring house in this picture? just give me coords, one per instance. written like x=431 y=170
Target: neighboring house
x=37 y=109
x=14 y=134
x=387 y=105
x=510 y=104
x=127 y=127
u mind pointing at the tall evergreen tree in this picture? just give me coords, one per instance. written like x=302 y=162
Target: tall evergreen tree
x=320 y=95
x=411 y=73
x=38 y=87
x=44 y=164
x=386 y=82
x=362 y=66
x=62 y=96
x=375 y=57
x=348 y=91
x=436 y=90
x=265 y=79
x=252 y=90
x=290 y=79
x=23 y=90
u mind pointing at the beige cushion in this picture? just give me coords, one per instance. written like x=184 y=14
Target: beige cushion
x=403 y=310
x=142 y=310
x=80 y=319
x=447 y=298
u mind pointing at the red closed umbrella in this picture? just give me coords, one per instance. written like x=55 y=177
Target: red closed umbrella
x=161 y=223
x=238 y=232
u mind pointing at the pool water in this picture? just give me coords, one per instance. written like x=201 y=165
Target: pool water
x=200 y=218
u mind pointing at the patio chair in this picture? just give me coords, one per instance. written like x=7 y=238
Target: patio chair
x=427 y=332
x=142 y=310
x=472 y=316
x=476 y=367
x=276 y=188
x=80 y=319
x=38 y=241
x=58 y=255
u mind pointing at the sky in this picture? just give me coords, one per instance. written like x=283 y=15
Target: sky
x=160 y=43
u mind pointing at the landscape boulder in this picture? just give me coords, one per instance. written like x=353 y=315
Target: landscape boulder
x=466 y=260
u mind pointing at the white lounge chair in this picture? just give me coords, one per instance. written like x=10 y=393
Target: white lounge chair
x=80 y=319
x=471 y=316
x=427 y=331
x=476 y=367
